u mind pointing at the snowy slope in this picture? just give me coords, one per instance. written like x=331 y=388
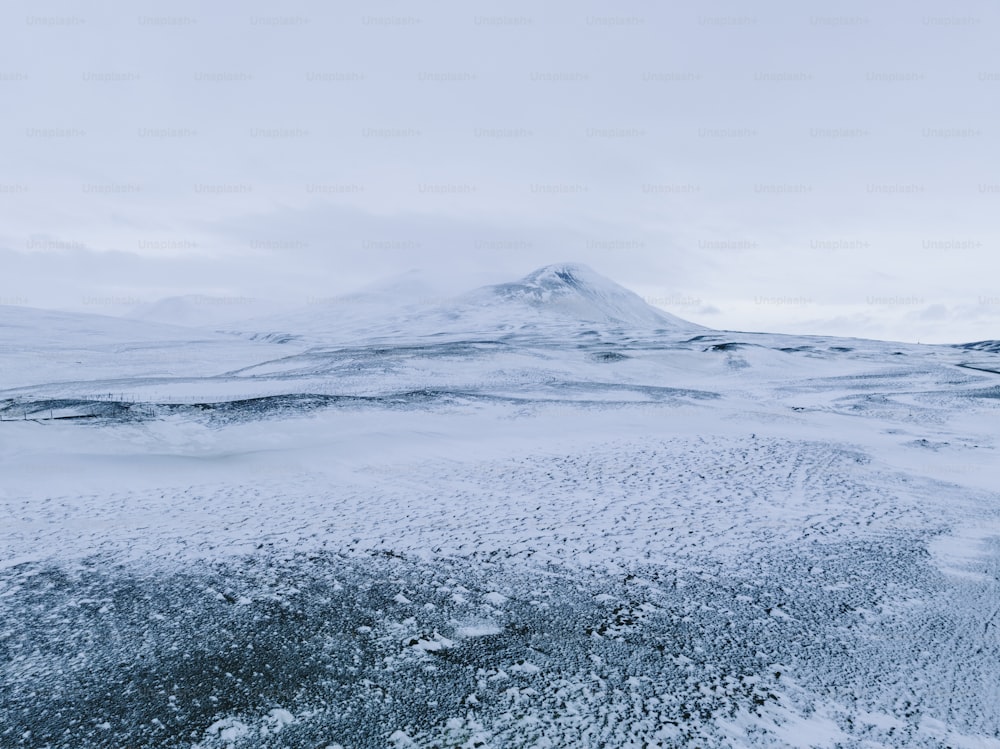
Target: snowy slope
x=991 y=346
x=39 y=346
x=203 y=310
x=535 y=514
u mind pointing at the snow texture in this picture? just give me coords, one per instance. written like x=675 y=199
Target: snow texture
x=538 y=514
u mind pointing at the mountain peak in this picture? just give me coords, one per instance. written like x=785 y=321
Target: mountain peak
x=575 y=290
x=566 y=273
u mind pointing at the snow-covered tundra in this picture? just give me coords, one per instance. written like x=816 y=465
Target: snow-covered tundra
x=539 y=514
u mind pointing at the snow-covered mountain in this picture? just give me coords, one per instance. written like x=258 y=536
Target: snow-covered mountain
x=556 y=298
x=575 y=292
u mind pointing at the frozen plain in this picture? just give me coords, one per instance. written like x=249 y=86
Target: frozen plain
x=540 y=514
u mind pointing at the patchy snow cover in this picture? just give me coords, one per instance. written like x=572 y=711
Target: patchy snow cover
x=537 y=514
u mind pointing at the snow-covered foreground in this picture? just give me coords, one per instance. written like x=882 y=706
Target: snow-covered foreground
x=592 y=526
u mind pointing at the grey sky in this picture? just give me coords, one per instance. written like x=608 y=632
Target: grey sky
x=801 y=167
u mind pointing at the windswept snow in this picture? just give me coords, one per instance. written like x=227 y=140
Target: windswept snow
x=540 y=513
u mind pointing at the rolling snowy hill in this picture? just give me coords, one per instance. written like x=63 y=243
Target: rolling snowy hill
x=203 y=310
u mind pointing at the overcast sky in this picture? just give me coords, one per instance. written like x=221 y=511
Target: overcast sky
x=785 y=166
